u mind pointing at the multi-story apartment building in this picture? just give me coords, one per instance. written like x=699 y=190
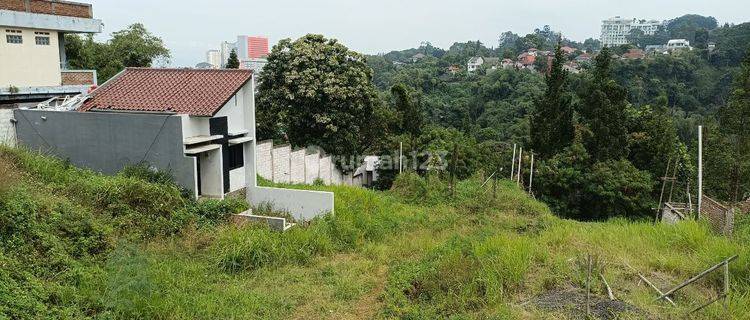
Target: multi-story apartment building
x=213 y=57
x=615 y=30
x=32 y=49
x=226 y=49
x=249 y=47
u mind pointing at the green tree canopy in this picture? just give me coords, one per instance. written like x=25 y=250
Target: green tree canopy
x=233 y=62
x=315 y=91
x=132 y=47
x=552 y=119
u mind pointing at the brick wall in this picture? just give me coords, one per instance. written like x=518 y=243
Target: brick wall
x=53 y=7
x=75 y=78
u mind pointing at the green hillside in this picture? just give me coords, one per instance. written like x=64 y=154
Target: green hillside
x=75 y=244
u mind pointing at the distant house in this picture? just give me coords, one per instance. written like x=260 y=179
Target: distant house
x=634 y=54
x=584 y=57
x=367 y=173
x=507 y=64
x=417 y=57
x=572 y=67
x=568 y=50
x=198 y=125
x=656 y=49
x=526 y=60
x=453 y=69
x=474 y=64
x=678 y=44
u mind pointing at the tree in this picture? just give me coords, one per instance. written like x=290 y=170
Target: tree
x=734 y=119
x=410 y=110
x=602 y=110
x=552 y=119
x=131 y=47
x=233 y=62
x=137 y=47
x=315 y=91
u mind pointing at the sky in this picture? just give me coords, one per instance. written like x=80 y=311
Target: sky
x=189 y=27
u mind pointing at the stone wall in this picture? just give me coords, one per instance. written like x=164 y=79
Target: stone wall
x=59 y=8
x=281 y=164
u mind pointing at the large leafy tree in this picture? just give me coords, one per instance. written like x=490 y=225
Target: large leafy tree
x=409 y=108
x=132 y=47
x=315 y=91
x=552 y=120
x=602 y=111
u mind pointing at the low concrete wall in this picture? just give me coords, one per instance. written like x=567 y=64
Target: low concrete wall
x=304 y=205
x=7 y=128
x=107 y=142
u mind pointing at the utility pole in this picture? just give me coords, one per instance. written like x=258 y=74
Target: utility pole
x=400 y=157
x=518 y=173
x=513 y=163
x=531 y=172
x=700 y=169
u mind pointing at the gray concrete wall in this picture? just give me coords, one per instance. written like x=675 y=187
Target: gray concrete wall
x=107 y=142
x=281 y=164
x=7 y=128
x=297 y=166
x=265 y=161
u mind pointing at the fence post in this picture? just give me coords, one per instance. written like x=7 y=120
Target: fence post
x=513 y=163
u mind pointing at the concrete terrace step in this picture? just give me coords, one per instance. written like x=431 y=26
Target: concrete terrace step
x=275 y=223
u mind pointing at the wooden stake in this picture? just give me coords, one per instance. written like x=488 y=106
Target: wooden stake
x=650 y=284
x=700 y=169
x=661 y=195
x=588 y=285
x=696 y=277
x=609 y=289
x=531 y=172
x=518 y=173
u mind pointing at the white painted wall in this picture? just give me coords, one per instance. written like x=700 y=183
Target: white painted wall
x=312 y=167
x=281 y=168
x=7 y=128
x=325 y=170
x=29 y=64
x=237 y=178
x=212 y=181
x=265 y=161
x=297 y=166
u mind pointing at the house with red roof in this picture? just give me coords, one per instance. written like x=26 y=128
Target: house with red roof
x=196 y=124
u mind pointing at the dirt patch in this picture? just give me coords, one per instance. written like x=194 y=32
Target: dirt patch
x=573 y=303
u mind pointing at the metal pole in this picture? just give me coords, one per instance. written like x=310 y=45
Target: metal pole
x=513 y=163
x=531 y=173
x=400 y=157
x=518 y=173
x=700 y=169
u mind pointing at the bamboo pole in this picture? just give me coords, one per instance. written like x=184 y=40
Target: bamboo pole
x=609 y=289
x=696 y=277
x=518 y=173
x=700 y=169
x=531 y=172
x=651 y=284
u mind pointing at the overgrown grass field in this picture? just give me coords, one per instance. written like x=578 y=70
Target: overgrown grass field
x=75 y=244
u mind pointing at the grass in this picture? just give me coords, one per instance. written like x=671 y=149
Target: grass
x=81 y=245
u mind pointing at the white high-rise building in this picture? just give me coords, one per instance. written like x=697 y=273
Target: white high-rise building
x=226 y=49
x=213 y=57
x=615 y=30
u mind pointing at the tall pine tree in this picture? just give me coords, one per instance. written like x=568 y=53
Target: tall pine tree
x=552 y=120
x=735 y=126
x=233 y=62
x=602 y=111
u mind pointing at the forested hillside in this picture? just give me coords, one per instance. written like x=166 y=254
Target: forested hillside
x=664 y=97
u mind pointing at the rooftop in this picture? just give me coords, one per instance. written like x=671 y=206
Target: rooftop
x=51 y=7
x=182 y=91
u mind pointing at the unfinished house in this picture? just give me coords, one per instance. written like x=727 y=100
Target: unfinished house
x=197 y=124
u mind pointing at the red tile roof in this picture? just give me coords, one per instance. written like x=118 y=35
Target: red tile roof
x=183 y=91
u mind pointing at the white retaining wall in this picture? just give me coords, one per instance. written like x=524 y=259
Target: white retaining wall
x=282 y=165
